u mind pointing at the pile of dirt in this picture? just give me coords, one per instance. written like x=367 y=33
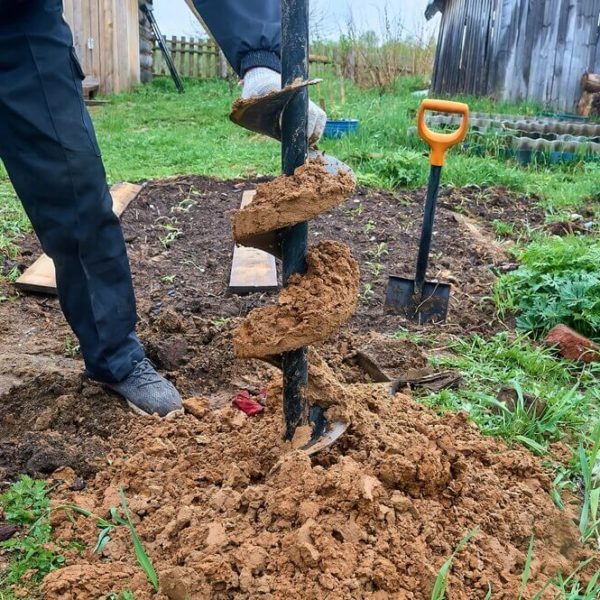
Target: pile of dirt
x=178 y=235
x=224 y=509
x=286 y=201
x=311 y=308
x=52 y=417
x=225 y=512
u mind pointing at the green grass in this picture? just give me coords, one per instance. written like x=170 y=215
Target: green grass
x=31 y=551
x=558 y=282
x=154 y=132
x=552 y=400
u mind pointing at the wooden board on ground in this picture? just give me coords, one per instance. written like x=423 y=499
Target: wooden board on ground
x=40 y=276
x=252 y=270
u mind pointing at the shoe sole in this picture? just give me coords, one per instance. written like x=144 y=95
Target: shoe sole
x=143 y=413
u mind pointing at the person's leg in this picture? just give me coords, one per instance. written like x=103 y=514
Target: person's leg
x=48 y=146
x=248 y=31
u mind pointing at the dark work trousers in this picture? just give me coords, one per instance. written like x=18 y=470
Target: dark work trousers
x=248 y=31
x=49 y=148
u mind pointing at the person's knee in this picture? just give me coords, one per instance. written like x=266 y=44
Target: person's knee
x=66 y=199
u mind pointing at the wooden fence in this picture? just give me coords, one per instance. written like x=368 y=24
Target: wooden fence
x=106 y=39
x=518 y=50
x=199 y=58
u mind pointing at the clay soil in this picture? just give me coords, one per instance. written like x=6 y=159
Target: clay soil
x=224 y=510
x=286 y=201
x=310 y=309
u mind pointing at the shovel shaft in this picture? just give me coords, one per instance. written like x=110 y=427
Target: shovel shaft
x=427 y=230
x=294 y=150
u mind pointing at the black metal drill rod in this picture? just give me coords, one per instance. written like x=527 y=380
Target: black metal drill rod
x=294 y=150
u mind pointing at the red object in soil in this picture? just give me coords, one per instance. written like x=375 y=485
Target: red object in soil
x=572 y=345
x=247 y=404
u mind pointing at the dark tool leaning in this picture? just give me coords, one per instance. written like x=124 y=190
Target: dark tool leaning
x=417 y=299
x=163 y=47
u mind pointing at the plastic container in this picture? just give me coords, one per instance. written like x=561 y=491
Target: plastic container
x=338 y=128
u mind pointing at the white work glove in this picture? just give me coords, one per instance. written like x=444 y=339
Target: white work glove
x=261 y=81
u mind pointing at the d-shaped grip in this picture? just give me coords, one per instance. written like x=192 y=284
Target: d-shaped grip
x=440 y=142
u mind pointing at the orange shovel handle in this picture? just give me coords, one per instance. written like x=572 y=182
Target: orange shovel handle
x=441 y=142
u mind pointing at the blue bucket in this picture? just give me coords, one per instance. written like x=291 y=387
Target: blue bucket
x=338 y=128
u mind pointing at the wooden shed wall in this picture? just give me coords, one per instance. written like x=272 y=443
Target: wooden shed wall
x=107 y=40
x=518 y=50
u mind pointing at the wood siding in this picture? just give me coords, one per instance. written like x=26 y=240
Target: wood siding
x=107 y=41
x=518 y=50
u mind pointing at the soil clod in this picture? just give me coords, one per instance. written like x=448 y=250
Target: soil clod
x=310 y=309
x=286 y=201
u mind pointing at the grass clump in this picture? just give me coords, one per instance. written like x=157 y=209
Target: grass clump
x=519 y=391
x=558 y=282
x=31 y=553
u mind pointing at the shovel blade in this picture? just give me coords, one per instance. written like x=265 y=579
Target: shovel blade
x=430 y=306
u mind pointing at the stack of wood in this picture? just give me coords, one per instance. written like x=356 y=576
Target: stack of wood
x=146 y=44
x=589 y=105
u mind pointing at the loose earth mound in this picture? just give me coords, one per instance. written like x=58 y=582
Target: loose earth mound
x=226 y=512
x=223 y=509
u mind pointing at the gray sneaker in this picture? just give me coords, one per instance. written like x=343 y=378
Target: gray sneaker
x=147 y=392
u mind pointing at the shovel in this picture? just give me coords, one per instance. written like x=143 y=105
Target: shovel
x=417 y=299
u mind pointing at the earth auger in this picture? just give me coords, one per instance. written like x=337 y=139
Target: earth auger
x=284 y=115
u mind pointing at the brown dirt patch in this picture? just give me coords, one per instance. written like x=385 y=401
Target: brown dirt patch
x=310 y=309
x=224 y=513
x=187 y=317
x=286 y=201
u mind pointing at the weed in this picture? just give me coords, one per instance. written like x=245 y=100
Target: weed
x=168 y=278
x=108 y=526
x=369 y=226
x=26 y=503
x=379 y=251
x=220 y=322
x=526 y=569
x=503 y=228
x=367 y=293
x=72 y=348
x=441 y=582
x=185 y=205
x=356 y=212
x=402 y=168
x=589 y=524
x=173 y=233
x=140 y=553
x=558 y=282
x=376 y=268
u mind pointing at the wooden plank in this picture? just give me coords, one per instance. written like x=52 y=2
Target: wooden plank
x=252 y=270
x=40 y=276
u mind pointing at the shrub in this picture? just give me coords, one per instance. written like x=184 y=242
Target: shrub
x=558 y=282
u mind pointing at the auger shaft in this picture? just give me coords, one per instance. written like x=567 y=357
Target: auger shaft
x=294 y=151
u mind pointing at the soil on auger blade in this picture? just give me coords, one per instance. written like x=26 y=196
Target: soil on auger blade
x=286 y=201
x=220 y=512
x=310 y=309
